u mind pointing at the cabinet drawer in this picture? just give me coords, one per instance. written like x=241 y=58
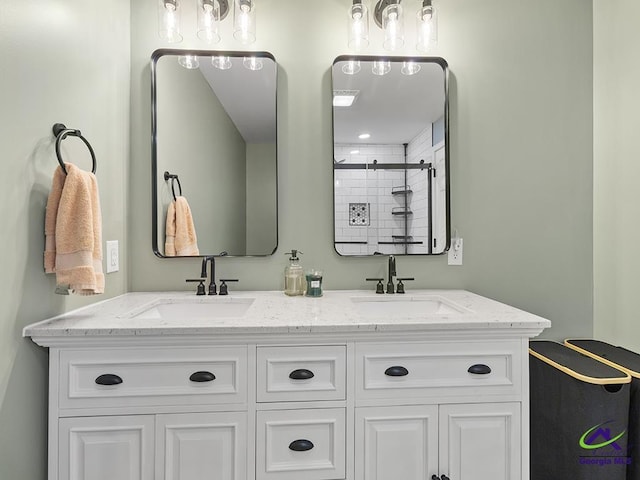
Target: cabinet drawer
x=296 y=444
x=155 y=376
x=306 y=373
x=435 y=369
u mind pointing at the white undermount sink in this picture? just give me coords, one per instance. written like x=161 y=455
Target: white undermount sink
x=198 y=308
x=400 y=305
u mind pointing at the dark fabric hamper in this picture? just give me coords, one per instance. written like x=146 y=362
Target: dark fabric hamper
x=579 y=415
x=628 y=362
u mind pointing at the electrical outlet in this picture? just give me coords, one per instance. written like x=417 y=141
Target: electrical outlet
x=113 y=258
x=455 y=252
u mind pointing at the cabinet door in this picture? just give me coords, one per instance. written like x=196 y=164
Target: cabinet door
x=480 y=441
x=197 y=446
x=106 y=448
x=394 y=443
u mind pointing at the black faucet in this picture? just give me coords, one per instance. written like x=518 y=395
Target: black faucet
x=203 y=273
x=392 y=273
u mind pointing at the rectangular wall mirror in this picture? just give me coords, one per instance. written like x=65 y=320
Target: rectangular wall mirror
x=214 y=143
x=391 y=155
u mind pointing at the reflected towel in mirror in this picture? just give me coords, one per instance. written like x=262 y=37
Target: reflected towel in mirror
x=180 y=235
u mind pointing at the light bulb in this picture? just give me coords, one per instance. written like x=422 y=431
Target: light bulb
x=351 y=67
x=208 y=20
x=169 y=20
x=252 y=63
x=381 y=67
x=358 y=26
x=190 y=62
x=221 y=62
x=244 y=21
x=410 y=68
x=427 y=27
x=393 y=26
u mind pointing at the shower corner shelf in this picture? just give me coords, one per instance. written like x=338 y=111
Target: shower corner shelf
x=401 y=211
x=401 y=190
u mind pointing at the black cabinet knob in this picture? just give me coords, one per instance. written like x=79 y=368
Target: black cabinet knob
x=108 y=379
x=435 y=477
x=301 y=374
x=201 y=377
x=301 y=445
x=479 y=369
x=396 y=371
x=444 y=477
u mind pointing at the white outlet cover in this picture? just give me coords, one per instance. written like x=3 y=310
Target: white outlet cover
x=455 y=252
x=112 y=256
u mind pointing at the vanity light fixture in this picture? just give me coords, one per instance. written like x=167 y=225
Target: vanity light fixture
x=190 y=62
x=221 y=62
x=210 y=14
x=252 y=63
x=388 y=15
x=358 y=26
x=244 y=21
x=410 y=68
x=169 y=20
x=351 y=67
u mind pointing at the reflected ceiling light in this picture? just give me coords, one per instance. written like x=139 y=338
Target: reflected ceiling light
x=388 y=15
x=427 y=27
x=210 y=14
x=381 y=67
x=351 y=67
x=169 y=20
x=358 y=26
x=252 y=63
x=354 y=152
x=410 y=68
x=364 y=136
x=190 y=62
x=244 y=21
x=221 y=62
x=344 y=98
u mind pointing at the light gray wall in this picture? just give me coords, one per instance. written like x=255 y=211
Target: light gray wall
x=616 y=171
x=62 y=61
x=521 y=153
x=198 y=141
x=262 y=204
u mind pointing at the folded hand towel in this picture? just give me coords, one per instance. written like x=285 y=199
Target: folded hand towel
x=180 y=234
x=73 y=232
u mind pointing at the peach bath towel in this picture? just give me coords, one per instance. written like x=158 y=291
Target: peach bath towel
x=180 y=232
x=73 y=232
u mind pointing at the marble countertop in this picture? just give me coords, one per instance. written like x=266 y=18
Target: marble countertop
x=276 y=313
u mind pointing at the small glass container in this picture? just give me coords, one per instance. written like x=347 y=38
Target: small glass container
x=314 y=283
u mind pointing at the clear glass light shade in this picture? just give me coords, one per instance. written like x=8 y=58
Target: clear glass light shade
x=190 y=62
x=252 y=63
x=221 y=62
x=244 y=21
x=208 y=21
x=381 y=67
x=358 y=27
x=169 y=20
x=427 y=28
x=410 y=68
x=351 y=67
x=393 y=26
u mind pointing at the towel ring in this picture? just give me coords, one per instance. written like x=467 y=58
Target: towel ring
x=174 y=178
x=60 y=131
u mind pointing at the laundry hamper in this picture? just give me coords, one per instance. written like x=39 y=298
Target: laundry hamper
x=579 y=415
x=629 y=362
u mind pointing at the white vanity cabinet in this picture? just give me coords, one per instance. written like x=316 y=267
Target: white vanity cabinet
x=313 y=392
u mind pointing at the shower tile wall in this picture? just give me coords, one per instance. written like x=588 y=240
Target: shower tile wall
x=374 y=188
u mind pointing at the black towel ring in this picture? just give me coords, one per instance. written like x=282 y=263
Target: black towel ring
x=60 y=131
x=174 y=178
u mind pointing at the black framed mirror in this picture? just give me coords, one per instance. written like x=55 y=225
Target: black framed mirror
x=391 y=155
x=214 y=153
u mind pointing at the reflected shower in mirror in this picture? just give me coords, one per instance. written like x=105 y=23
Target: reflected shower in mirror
x=214 y=129
x=391 y=161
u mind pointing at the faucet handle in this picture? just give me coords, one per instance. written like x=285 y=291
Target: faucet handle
x=379 y=286
x=224 y=290
x=400 y=288
x=200 y=290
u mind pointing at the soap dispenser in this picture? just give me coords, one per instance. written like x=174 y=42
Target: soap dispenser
x=294 y=280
